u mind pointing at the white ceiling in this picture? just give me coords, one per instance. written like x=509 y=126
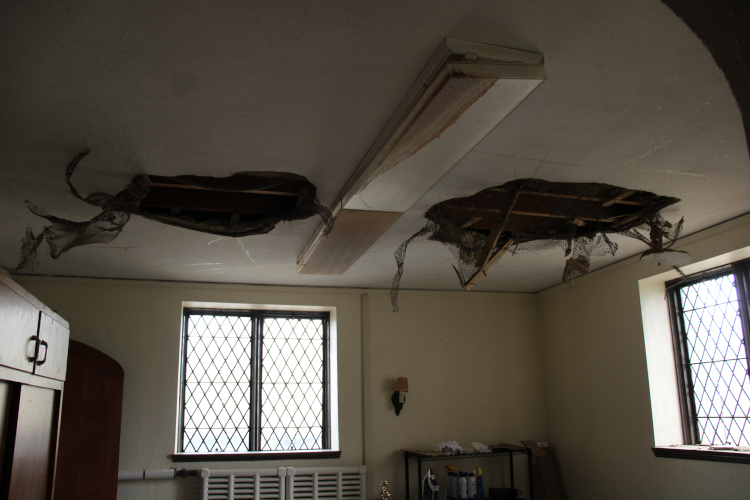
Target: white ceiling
x=632 y=98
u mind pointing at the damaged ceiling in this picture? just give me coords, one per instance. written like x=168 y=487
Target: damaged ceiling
x=632 y=99
x=532 y=215
x=243 y=204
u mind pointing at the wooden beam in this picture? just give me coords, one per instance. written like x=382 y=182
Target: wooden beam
x=167 y=182
x=490 y=262
x=249 y=191
x=490 y=243
x=519 y=212
x=471 y=222
x=517 y=223
x=576 y=264
x=204 y=200
x=654 y=208
x=532 y=214
x=574 y=196
x=634 y=216
x=567 y=208
x=618 y=199
x=494 y=235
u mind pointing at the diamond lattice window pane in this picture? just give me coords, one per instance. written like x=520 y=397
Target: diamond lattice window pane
x=217 y=392
x=717 y=361
x=292 y=391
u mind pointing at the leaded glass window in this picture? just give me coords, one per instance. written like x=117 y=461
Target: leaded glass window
x=254 y=381
x=710 y=318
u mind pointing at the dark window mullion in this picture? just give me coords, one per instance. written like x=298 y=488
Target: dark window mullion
x=742 y=281
x=183 y=374
x=691 y=433
x=255 y=393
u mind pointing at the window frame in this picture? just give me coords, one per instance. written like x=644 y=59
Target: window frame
x=258 y=314
x=741 y=272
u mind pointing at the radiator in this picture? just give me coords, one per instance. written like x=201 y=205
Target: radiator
x=285 y=483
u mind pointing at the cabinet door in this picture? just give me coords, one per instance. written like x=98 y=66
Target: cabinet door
x=52 y=358
x=19 y=321
x=6 y=391
x=35 y=443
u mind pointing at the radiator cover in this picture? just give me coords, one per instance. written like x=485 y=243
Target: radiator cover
x=285 y=483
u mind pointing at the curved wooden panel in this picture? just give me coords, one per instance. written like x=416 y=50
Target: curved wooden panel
x=89 y=447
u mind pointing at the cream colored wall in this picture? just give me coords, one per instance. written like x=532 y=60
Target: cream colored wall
x=597 y=389
x=474 y=371
x=138 y=324
x=472 y=359
x=565 y=365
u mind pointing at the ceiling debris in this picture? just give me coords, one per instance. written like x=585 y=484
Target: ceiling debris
x=659 y=230
x=243 y=204
x=535 y=215
x=62 y=235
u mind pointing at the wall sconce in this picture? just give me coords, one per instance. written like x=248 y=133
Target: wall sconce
x=398 y=399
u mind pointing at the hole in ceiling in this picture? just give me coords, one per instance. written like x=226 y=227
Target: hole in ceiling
x=243 y=204
x=532 y=214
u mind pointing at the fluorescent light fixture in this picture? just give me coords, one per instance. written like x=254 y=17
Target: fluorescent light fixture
x=462 y=94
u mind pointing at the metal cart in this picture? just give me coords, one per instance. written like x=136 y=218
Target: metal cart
x=428 y=456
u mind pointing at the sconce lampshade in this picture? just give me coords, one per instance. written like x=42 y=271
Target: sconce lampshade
x=402 y=384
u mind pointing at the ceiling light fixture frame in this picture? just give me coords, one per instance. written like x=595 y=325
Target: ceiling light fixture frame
x=453 y=104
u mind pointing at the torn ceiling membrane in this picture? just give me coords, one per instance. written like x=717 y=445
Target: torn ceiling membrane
x=532 y=214
x=244 y=204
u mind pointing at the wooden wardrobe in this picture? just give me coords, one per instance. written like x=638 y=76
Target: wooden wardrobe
x=33 y=360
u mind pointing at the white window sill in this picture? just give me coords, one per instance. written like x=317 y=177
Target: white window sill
x=254 y=455
x=739 y=455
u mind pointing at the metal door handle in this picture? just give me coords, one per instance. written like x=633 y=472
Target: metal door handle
x=46 y=348
x=34 y=355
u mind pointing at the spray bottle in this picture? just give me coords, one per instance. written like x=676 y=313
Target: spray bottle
x=462 y=486
x=480 y=485
x=471 y=486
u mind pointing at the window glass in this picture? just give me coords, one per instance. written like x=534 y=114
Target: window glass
x=293 y=384
x=711 y=328
x=254 y=381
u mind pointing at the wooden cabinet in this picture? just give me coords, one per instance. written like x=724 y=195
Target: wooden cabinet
x=52 y=354
x=33 y=360
x=19 y=322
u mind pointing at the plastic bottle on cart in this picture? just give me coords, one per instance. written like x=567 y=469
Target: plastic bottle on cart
x=448 y=483
x=480 y=485
x=449 y=494
x=471 y=486
x=454 y=482
x=462 y=486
